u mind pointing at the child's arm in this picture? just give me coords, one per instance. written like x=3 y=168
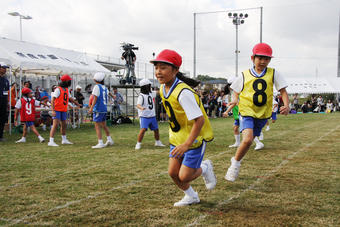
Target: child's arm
x=93 y=104
x=179 y=150
x=285 y=108
x=52 y=107
x=140 y=107
x=275 y=106
x=75 y=101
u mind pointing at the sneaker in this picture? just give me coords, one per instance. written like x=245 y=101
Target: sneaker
x=52 y=144
x=66 y=142
x=261 y=136
x=259 y=146
x=98 y=146
x=138 y=146
x=233 y=171
x=22 y=140
x=187 y=200
x=234 y=145
x=209 y=176
x=267 y=129
x=41 y=140
x=109 y=143
x=159 y=144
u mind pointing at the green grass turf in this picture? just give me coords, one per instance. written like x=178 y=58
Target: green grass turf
x=293 y=181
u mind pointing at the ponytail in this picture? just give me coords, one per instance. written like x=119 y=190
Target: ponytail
x=191 y=82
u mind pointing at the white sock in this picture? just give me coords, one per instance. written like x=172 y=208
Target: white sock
x=235 y=162
x=190 y=192
x=51 y=139
x=139 y=142
x=109 y=138
x=63 y=137
x=204 y=168
x=23 y=138
x=100 y=141
x=40 y=137
x=237 y=138
x=256 y=140
x=158 y=141
x=268 y=127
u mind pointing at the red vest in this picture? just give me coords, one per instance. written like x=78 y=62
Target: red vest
x=27 y=111
x=61 y=103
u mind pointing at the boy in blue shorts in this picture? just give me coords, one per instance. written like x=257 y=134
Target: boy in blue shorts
x=253 y=92
x=99 y=108
x=147 y=114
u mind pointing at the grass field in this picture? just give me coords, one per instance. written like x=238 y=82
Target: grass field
x=294 y=180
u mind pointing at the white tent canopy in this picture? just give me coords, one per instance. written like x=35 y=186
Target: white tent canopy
x=313 y=86
x=39 y=59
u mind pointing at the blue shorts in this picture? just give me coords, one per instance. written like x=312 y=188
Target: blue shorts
x=99 y=117
x=255 y=124
x=148 y=122
x=192 y=158
x=60 y=115
x=274 y=117
x=29 y=123
x=237 y=122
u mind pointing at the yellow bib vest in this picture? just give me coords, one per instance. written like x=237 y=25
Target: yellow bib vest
x=256 y=97
x=180 y=126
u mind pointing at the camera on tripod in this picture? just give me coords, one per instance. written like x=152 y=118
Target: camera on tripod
x=130 y=58
x=128 y=46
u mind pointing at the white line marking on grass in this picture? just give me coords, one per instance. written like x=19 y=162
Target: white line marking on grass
x=261 y=180
x=22 y=220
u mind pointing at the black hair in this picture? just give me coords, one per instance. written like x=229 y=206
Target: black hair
x=146 y=89
x=100 y=82
x=227 y=89
x=191 y=82
x=65 y=84
x=53 y=87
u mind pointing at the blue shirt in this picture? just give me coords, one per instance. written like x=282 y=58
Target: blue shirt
x=101 y=104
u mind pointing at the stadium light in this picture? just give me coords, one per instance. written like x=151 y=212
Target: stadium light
x=237 y=19
x=16 y=14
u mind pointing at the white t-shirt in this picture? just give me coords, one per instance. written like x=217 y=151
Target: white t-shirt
x=148 y=103
x=96 y=90
x=56 y=93
x=18 y=103
x=189 y=105
x=279 y=82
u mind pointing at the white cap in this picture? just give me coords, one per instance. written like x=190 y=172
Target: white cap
x=231 y=79
x=144 y=82
x=78 y=87
x=3 y=65
x=99 y=76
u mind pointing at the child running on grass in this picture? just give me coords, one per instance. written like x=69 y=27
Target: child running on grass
x=26 y=105
x=59 y=104
x=236 y=125
x=190 y=128
x=253 y=92
x=147 y=114
x=99 y=108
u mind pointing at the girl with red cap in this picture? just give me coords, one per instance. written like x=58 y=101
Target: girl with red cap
x=26 y=105
x=253 y=93
x=190 y=129
x=59 y=103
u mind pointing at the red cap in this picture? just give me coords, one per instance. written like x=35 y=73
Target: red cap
x=170 y=57
x=65 y=77
x=262 y=49
x=26 y=91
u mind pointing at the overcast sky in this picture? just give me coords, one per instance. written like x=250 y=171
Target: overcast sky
x=303 y=33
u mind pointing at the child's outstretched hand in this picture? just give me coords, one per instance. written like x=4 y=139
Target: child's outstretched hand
x=225 y=114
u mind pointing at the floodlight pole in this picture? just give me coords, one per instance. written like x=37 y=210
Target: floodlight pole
x=16 y=14
x=221 y=11
x=238 y=19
